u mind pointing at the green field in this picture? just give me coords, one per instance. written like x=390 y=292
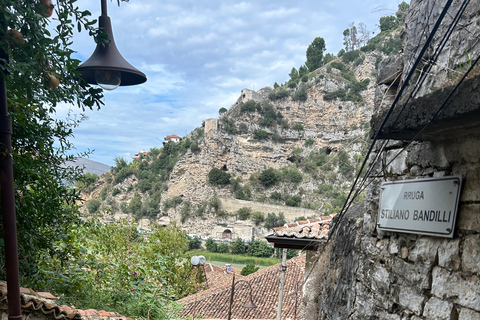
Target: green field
x=236 y=260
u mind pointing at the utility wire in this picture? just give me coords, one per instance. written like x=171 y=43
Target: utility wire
x=399 y=94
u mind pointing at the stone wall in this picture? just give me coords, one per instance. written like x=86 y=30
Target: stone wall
x=364 y=273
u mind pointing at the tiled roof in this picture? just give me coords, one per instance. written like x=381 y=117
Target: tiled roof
x=217 y=276
x=171 y=136
x=213 y=303
x=33 y=302
x=308 y=229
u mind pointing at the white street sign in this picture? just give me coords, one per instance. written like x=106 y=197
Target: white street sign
x=420 y=206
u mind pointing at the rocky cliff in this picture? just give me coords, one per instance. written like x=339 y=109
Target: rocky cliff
x=286 y=153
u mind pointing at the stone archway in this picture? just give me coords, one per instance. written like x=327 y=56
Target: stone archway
x=227 y=234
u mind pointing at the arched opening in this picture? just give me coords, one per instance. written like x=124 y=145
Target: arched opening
x=227 y=234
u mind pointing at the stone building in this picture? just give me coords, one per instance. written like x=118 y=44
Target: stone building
x=365 y=272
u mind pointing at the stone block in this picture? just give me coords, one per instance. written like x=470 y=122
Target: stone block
x=439 y=310
x=449 y=254
x=381 y=280
x=471 y=254
x=469 y=217
x=411 y=299
x=471 y=181
x=427 y=154
x=467 y=314
x=412 y=275
x=457 y=288
x=396 y=162
x=388 y=316
x=425 y=251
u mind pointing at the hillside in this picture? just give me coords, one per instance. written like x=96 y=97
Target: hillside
x=277 y=154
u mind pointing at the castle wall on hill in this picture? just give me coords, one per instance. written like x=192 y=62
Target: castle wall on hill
x=367 y=273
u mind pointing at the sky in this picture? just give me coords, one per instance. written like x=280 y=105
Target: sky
x=198 y=56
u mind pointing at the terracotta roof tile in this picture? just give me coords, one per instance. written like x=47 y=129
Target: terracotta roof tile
x=213 y=303
x=309 y=229
x=44 y=302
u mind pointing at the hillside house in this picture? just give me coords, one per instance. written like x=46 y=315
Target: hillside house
x=140 y=154
x=173 y=138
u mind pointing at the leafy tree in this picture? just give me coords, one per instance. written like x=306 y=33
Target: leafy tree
x=259 y=248
x=315 y=54
x=276 y=85
x=211 y=245
x=222 y=110
x=273 y=221
x=293 y=201
x=238 y=247
x=135 y=205
x=218 y=177
x=249 y=269
x=243 y=213
x=293 y=74
x=194 y=243
x=260 y=134
x=388 y=23
x=46 y=207
x=258 y=218
x=402 y=12
x=302 y=71
x=222 y=248
x=269 y=177
x=93 y=206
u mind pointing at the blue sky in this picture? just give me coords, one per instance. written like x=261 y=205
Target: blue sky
x=198 y=56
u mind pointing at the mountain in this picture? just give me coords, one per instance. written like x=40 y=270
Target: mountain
x=283 y=153
x=89 y=166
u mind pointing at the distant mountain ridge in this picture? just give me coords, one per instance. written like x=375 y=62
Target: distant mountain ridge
x=89 y=166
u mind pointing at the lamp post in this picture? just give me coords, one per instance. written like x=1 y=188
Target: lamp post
x=249 y=303
x=107 y=68
x=197 y=261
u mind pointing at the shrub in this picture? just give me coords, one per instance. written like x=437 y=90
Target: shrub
x=309 y=142
x=276 y=196
x=238 y=247
x=260 y=134
x=298 y=126
x=300 y=95
x=135 y=205
x=214 y=204
x=292 y=84
x=229 y=125
x=257 y=217
x=249 y=269
x=211 y=245
x=218 y=177
x=350 y=56
x=277 y=95
x=194 y=243
x=194 y=147
x=293 y=201
x=273 y=220
x=304 y=78
x=93 y=205
x=275 y=85
x=259 y=249
x=292 y=175
x=249 y=106
x=222 y=110
x=338 y=94
x=115 y=191
x=269 y=177
x=222 y=248
x=243 y=213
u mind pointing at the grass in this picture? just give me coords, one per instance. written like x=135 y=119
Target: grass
x=233 y=259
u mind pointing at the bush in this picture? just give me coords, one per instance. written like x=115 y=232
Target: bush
x=259 y=248
x=293 y=201
x=194 y=147
x=273 y=221
x=292 y=175
x=249 y=106
x=276 y=196
x=93 y=205
x=211 y=245
x=350 y=56
x=257 y=217
x=309 y=142
x=269 y=177
x=238 y=247
x=304 y=78
x=194 y=243
x=222 y=248
x=292 y=84
x=243 y=213
x=300 y=95
x=298 y=126
x=218 y=177
x=135 y=205
x=277 y=95
x=222 y=110
x=260 y=134
x=249 y=269
x=338 y=94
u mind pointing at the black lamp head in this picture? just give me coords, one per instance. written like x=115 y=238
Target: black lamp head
x=107 y=61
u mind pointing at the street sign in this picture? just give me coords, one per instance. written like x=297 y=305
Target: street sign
x=420 y=206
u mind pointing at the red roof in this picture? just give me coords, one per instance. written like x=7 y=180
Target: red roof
x=172 y=136
x=213 y=303
x=309 y=229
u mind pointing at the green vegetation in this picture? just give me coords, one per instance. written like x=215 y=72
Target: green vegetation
x=260 y=134
x=249 y=269
x=273 y=220
x=237 y=258
x=269 y=177
x=278 y=94
x=218 y=177
x=315 y=54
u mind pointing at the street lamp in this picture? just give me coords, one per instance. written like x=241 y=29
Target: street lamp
x=106 y=66
x=249 y=303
